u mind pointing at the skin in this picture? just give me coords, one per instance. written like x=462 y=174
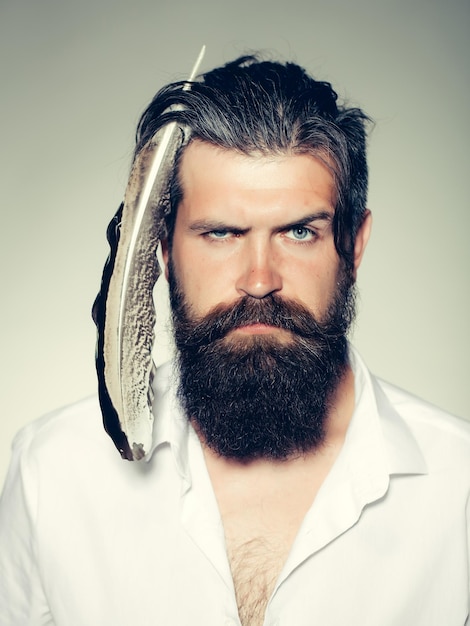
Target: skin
x=252 y=225
x=257 y=225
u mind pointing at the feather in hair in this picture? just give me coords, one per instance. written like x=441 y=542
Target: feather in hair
x=124 y=311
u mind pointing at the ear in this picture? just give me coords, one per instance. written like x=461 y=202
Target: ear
x=362 y=237
x=165 y=253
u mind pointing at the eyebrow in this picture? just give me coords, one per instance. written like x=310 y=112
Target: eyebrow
x=320 y=216
x=200 y=226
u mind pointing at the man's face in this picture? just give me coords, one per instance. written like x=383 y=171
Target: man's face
x=261 y=301
x=254 y=226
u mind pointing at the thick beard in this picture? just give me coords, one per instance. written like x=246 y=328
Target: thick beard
x=254 y=397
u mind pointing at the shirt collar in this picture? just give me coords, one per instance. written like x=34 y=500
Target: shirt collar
x=376 y=417
x=170 y=423
x=378 y=444
x=377 y=432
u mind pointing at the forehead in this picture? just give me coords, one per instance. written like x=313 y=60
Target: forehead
x=213 y=178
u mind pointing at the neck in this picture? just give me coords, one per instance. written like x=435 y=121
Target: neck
x=263 y=502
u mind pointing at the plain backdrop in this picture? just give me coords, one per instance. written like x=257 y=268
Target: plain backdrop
x=75 y=77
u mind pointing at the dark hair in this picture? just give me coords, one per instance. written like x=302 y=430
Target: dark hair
x=263 y=108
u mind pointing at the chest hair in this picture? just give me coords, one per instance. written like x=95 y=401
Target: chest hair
x=255 y=566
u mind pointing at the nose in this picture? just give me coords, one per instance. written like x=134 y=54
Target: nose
x=259 y=275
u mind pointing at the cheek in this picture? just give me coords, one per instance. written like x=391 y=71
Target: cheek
x=197 y=279
x=316 y=284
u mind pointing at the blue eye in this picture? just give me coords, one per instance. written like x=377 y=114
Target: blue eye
x=218 y=234
x=300 y=233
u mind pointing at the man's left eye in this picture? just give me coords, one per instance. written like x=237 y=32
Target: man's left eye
x=300 y=233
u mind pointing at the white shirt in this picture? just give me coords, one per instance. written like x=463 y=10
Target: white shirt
x=87 y=539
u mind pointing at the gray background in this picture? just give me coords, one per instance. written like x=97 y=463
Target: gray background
x=75 y=77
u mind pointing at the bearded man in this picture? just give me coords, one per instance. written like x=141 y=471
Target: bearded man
x=284 y=484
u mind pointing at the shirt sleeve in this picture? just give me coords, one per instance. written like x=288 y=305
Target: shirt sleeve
x=22 y=599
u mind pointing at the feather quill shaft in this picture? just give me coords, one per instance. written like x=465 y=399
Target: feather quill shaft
x=124 y=310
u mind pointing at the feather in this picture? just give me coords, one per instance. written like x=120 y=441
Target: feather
x=124 y=311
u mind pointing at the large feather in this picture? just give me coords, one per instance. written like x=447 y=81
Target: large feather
x=124 y=310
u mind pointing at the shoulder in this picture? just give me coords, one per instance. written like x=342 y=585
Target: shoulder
x=75 y=426
x=420 y=412
x=73 y=437
x=443 y=437
x=61 y=450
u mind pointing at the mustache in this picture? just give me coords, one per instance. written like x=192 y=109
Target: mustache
x=272 y=310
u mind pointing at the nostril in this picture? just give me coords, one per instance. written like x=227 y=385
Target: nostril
x=259 y=282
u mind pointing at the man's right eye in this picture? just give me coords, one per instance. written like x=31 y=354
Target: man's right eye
x=218 y=234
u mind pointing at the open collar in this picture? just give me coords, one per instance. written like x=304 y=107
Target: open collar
x=378 y=442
